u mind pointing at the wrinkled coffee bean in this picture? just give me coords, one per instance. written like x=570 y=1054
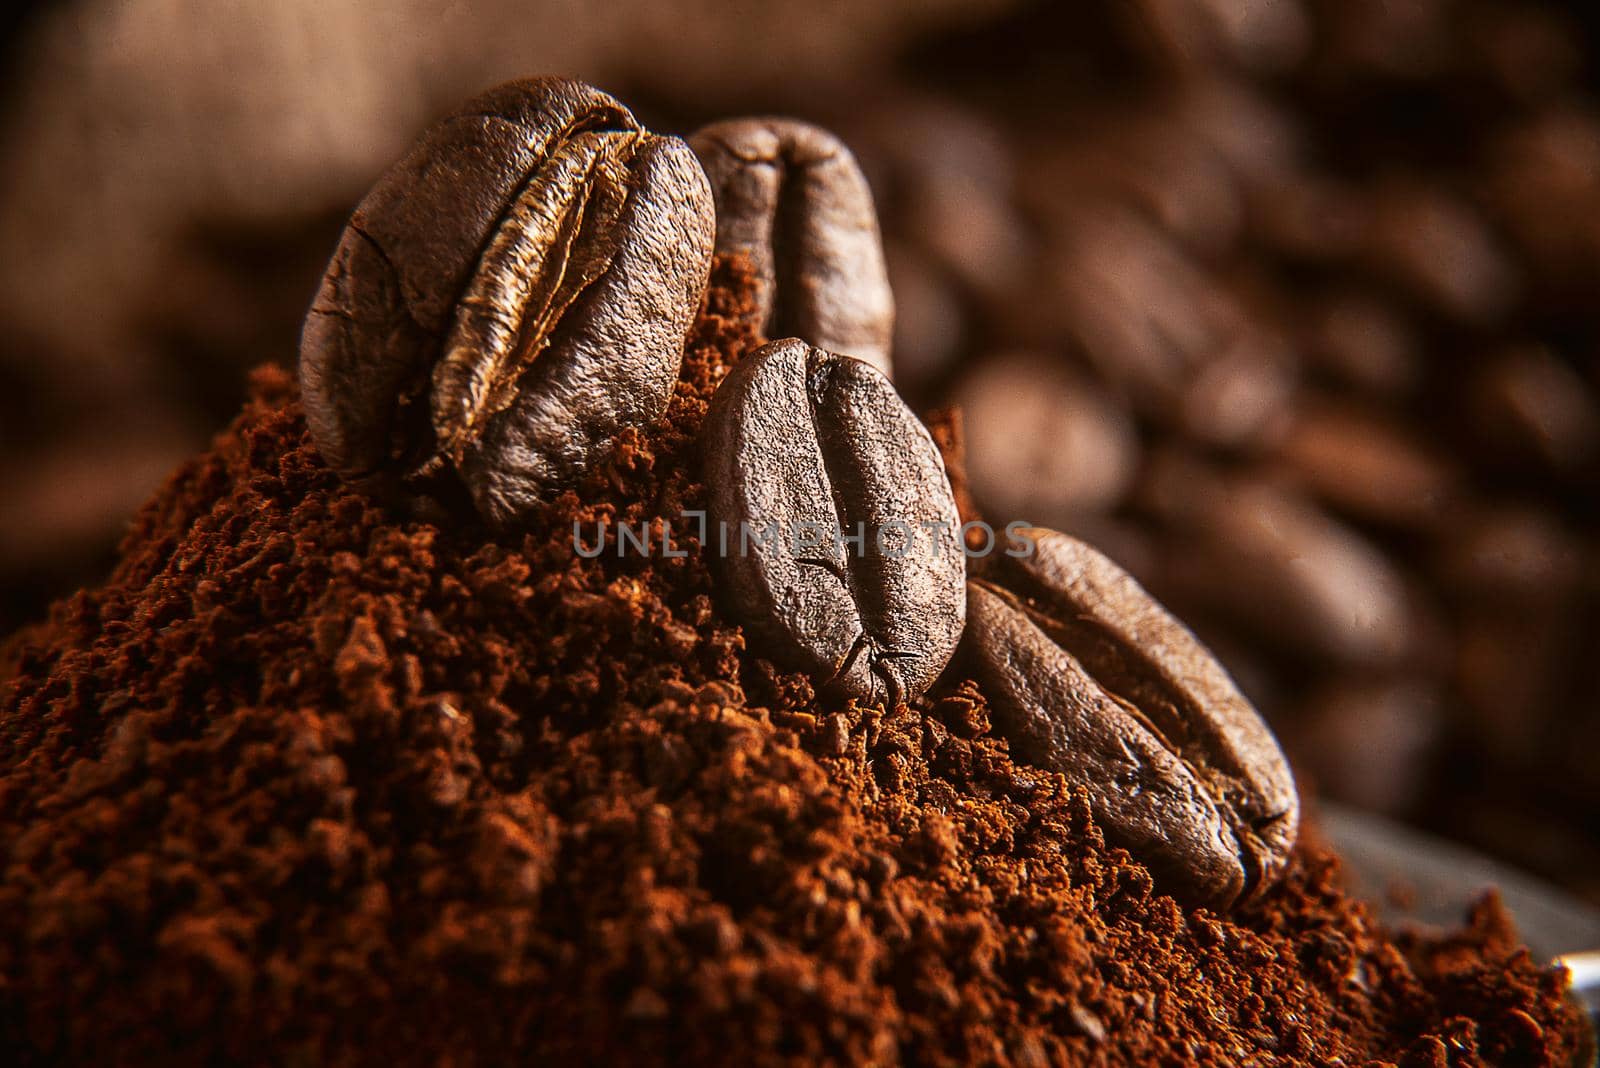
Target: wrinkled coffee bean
x=1088 y=676
x=791 y=198
x=800 y=445
x=511 y=293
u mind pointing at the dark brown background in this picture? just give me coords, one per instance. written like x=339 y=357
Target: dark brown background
x=1291 y=305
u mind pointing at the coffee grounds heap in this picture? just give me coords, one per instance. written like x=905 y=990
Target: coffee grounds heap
x=305 y=784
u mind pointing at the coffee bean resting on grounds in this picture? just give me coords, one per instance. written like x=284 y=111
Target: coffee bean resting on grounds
x=302 y=784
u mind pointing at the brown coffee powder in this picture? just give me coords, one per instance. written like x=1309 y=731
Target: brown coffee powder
x=302 y=784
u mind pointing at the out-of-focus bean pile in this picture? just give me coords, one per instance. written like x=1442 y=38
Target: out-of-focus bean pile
x=1294 y=309
x=1292 y=306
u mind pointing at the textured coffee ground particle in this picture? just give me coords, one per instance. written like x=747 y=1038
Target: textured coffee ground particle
x=301 y=784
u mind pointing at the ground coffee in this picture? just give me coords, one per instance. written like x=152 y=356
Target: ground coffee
x=304 y=785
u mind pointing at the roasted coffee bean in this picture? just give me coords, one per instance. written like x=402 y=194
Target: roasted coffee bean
x=1360 y=342
x=1368 y=742
x=932 y=323
x=1156 y=328
x=791 y=198
x=804 y=449
x=509 y=295
x=1088 y=676
x=1147 y=161
x=1271 y=561
x=1191 y=37
x=1044 y=442
x=1532 y=409
x=1369 y=465
x=1441 y=251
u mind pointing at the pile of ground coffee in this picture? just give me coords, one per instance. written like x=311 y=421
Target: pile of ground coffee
x=305 y=784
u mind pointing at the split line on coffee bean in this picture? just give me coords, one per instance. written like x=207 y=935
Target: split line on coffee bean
x=893 y=538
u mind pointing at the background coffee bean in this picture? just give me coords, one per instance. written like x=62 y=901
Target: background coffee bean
x=1277 y=565
x=1087 y=675
x=511 y=292
x=1366 y=466
x=810 y=442
x=791 y=198
x=1043 y=444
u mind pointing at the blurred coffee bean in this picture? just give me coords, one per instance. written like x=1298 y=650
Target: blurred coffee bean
x=1507 y=661
x=1127 y=295
x=1531 y=408
x=903 y=136
x=1147 y=160
x=1359 y=341
x=1543 y=184
x=1366 y=464
x=1259 y=139
x=1438 y=249
x=1368 y=743
x=929 y=324
x=1310 y=218
x=1155 y=327
x=1401 y=38
x=1277 y=565
x=1530 y=53
x=1241 y=394
x=1510 y=555
x=945 y=175
x=1188 y=35
x=977 y=236
x=1043 y=444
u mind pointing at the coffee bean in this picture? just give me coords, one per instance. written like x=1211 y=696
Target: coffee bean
x=947 y=175
x=1368 y=742
x=1088 y=676
x=802 y=444
x=1533 y=410
x=1360 y=342
x=1368 y=464
x=1044 y=442
x=932 y=322
x=1311 y=219
x=1541 y=187
x=1154 y=327
x=513 y=291
x=1510 y=556
x=1272 y=561
x=1440 y=250
x=1148 y=161
x=791 y=198
x=1192 y=37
